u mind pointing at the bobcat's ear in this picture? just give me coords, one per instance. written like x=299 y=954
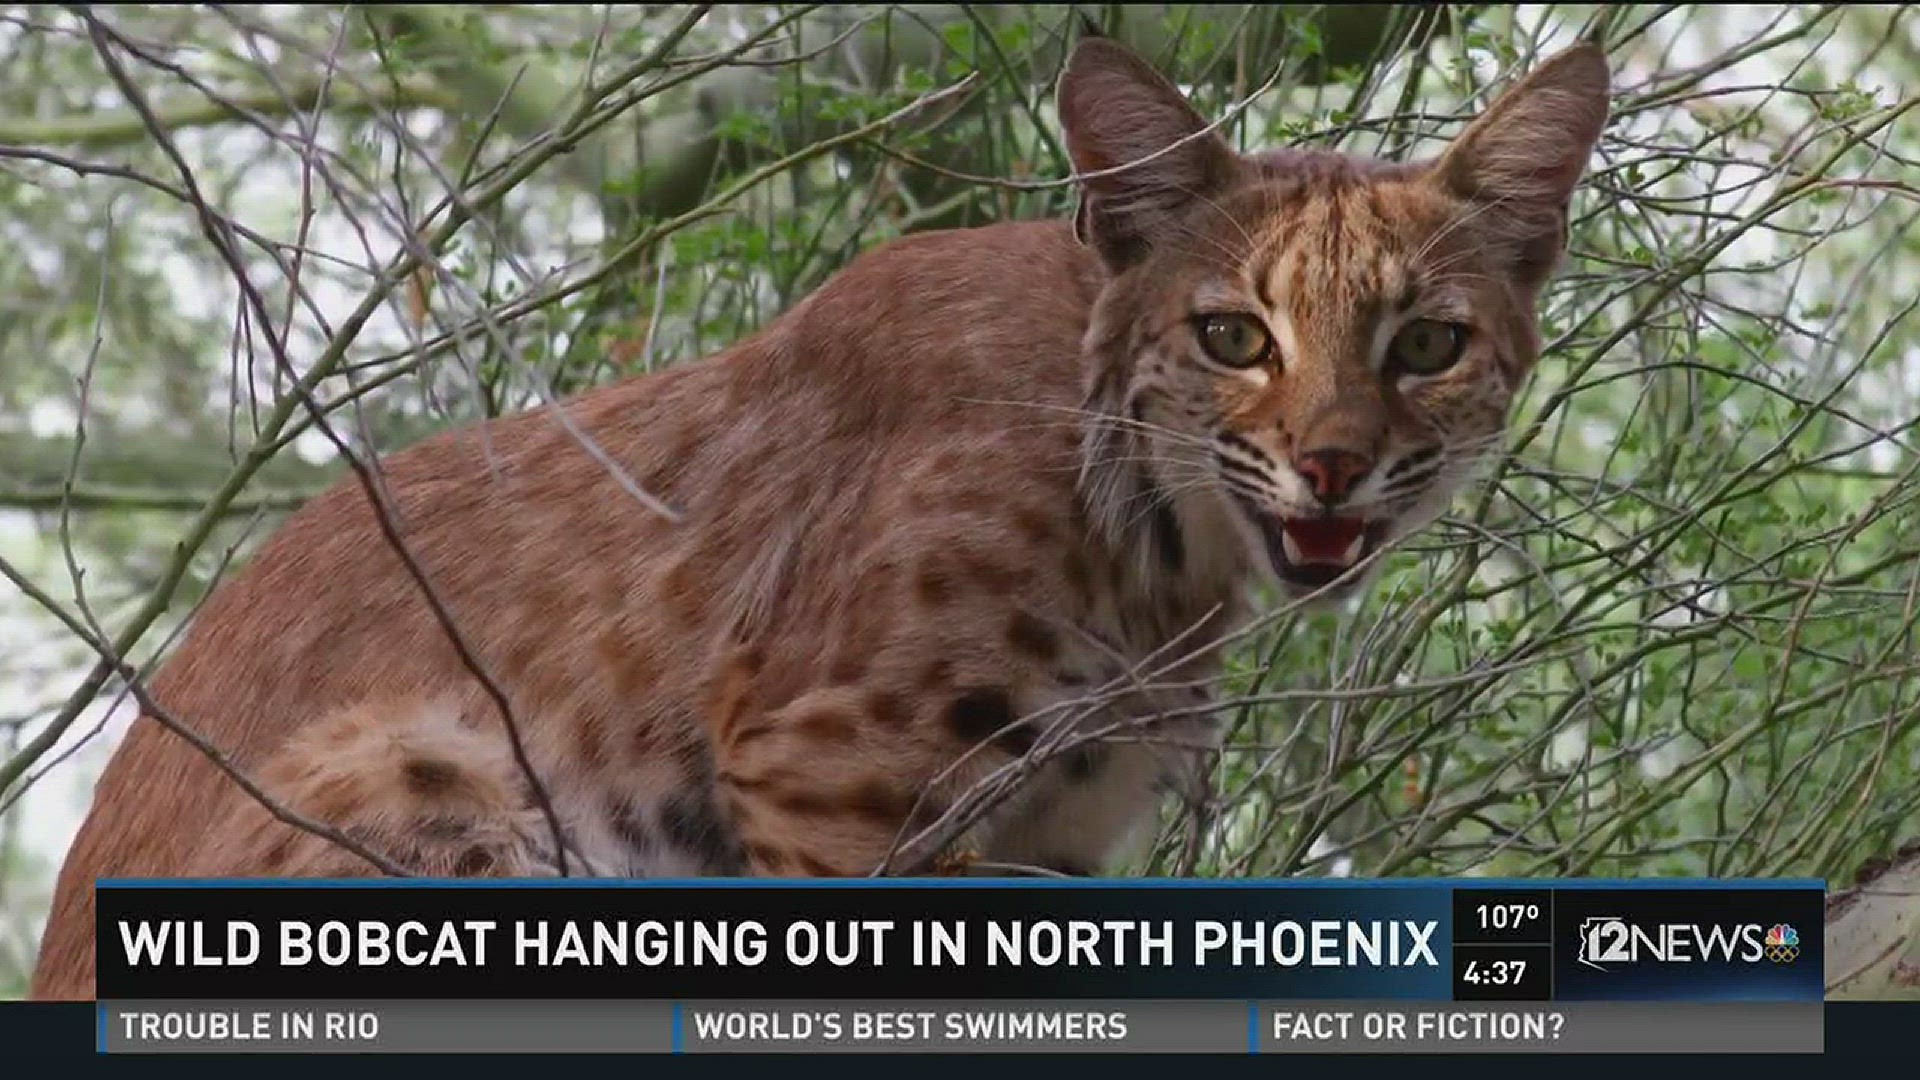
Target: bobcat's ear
x=1522 y=158
x=1116 y=110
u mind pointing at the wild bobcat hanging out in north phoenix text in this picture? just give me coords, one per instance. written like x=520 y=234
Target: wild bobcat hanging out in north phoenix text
x=972 y=513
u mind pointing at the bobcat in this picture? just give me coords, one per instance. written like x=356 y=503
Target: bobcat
x=973 y=516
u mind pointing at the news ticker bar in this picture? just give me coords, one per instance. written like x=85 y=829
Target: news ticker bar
x=952 y=939
x=1040 y=1026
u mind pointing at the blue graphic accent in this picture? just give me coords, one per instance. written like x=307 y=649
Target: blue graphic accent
x=1253 y=1027
x=678 y=1048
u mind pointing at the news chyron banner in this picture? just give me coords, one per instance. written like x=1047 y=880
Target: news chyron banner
x=960 y=965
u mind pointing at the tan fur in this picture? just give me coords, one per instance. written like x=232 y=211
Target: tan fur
x=974 y=478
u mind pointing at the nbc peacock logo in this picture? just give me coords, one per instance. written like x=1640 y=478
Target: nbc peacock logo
x=1782 y=943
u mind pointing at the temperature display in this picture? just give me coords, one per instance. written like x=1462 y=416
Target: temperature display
x=1496 y=915
x=1501 y=916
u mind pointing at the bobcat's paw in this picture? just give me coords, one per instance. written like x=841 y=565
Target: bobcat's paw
x=954 y=862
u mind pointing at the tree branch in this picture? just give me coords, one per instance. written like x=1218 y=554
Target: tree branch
x=159 y=464
x=121 y=127
x=1873 y=933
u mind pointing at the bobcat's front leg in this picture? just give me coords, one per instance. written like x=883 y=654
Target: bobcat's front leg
x=408 y=779
x=830 y=785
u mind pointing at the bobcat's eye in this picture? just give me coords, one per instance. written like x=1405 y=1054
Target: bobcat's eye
x=1238 y=341
x=1427 y=346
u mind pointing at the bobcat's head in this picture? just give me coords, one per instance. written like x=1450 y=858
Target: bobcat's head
x=1327 y=345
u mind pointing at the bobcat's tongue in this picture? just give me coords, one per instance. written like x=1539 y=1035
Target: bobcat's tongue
x=1331 y=541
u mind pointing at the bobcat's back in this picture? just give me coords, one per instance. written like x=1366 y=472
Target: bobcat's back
x=788 y=456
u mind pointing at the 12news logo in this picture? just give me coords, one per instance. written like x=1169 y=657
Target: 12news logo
x=1609 y=939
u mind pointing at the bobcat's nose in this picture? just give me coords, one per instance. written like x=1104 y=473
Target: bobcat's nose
x=1332 y=473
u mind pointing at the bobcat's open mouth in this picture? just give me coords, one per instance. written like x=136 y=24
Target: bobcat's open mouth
x=1312 y=552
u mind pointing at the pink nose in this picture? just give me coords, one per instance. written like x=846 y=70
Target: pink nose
x=1333 y=473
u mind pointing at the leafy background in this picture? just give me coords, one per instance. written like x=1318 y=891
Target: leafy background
x=1672 y=635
